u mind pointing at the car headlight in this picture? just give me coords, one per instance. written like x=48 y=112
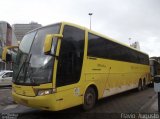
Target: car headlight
x=45 y=92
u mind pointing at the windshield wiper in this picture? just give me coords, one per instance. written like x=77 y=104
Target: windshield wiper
x=33 y=83
x=19 y=71
x=26 y=68
x=23 y=66
x=27 y=75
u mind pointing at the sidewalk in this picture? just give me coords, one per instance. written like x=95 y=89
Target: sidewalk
x=154 y=106
x=151 y=106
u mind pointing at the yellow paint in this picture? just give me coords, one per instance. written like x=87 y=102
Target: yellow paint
x=48 y=43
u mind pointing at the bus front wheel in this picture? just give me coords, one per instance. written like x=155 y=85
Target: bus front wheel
x=89 y=99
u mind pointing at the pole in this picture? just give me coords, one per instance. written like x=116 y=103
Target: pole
x=159 y=102
x=90 y=22
x=129 y=41
x=90 y=14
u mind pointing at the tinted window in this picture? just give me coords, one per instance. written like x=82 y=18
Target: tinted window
x=9 y=74
x=71 y=56
x=104 y=48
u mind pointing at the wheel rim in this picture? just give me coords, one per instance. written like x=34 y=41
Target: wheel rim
x=89 y=99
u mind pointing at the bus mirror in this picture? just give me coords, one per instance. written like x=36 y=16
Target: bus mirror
x=8 y=52
x=48 y=42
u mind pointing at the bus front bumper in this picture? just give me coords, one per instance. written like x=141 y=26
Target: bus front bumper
x=46 y=102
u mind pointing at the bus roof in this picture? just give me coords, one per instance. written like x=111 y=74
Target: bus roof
x=91 y=31
x=153 y=59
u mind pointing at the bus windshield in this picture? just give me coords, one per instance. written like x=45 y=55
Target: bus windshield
x=32 y=67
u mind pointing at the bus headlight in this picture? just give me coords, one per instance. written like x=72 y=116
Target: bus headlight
x=45 y=92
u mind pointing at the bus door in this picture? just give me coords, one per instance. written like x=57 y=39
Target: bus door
x=69 y=67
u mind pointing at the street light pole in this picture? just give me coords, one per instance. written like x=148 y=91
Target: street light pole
x=90 y=14
x=129 y=41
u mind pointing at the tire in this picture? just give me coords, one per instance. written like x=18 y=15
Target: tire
x=140 y=85
x=89 y=99
x=144 y=84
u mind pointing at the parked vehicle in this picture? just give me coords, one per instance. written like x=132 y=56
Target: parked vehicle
x=6 y=78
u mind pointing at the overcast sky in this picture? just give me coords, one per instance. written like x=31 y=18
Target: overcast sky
x=118 y=19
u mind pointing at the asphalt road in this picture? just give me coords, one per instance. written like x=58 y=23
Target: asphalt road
x=110 y=107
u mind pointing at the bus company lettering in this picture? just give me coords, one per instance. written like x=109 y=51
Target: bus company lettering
x=101 y=65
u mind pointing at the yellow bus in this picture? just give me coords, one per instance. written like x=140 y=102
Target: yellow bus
x=64 y=65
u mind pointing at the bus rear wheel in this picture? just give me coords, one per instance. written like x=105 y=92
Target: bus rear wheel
x=144 y=84
x=89 y=99
x=140 y=85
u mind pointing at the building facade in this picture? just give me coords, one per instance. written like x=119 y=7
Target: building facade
x=7 y=38
x=135 y=45
x=21 y=29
